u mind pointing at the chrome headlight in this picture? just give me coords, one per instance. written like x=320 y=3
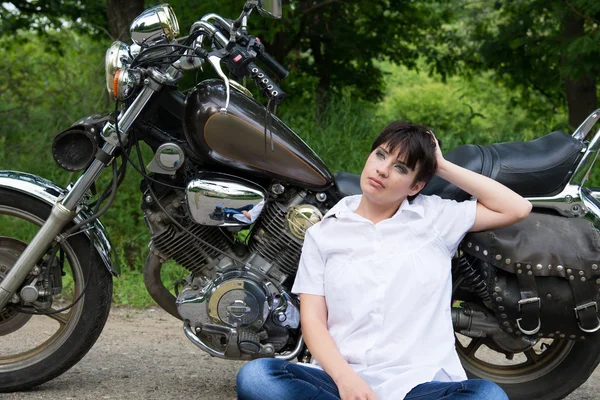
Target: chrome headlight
x=155 y=25
x=117 y=57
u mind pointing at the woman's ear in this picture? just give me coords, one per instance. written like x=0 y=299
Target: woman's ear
x=416 y=188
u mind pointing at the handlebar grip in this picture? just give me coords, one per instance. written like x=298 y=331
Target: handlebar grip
x=266 y=84
x=273 y=65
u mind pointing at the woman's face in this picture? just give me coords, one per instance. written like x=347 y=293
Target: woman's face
x=386 y=180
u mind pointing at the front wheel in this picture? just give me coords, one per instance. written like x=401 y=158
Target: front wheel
x=550 y=369
x=37 y=348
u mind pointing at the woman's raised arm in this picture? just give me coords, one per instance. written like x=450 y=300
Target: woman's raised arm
x=498 y=206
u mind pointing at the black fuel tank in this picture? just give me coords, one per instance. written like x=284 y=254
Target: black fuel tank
x=237 y=139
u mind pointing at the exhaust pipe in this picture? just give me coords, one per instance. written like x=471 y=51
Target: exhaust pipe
x=155 y=287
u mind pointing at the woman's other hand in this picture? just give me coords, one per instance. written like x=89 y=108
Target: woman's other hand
x=353 y=387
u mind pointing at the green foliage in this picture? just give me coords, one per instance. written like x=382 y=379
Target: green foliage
x=334 y=43
x=462 y=110
x=43 y=94
x=535 y=46
x=43 y=16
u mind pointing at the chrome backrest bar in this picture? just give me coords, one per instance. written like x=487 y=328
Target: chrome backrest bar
x=581 y=173
x=581 y=132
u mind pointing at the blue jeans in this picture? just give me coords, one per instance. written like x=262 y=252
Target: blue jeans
x=272 y=379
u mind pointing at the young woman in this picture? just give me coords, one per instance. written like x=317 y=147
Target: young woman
x=375 y=282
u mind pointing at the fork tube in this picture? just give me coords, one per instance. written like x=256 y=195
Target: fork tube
x=59 y=216
x=86 y=180
x=62 y=212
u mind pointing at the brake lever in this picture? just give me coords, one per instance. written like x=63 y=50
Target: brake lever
x=215 y=61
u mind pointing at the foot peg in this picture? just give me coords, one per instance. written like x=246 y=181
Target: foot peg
x=249 y=343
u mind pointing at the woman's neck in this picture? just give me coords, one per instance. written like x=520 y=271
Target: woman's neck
x=376 y=212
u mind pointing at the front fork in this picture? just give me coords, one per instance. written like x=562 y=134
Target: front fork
x=64 y=210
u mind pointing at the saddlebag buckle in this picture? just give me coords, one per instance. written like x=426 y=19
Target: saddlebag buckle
x=587 y=310
x=529 y=309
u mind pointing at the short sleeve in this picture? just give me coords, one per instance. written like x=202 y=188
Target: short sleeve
x=309 y=279
x=454 y=220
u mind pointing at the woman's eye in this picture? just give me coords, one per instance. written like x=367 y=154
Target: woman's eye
x=400 y=168
x=380 y=155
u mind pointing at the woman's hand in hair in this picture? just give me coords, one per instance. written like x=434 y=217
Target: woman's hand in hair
x=438 y=152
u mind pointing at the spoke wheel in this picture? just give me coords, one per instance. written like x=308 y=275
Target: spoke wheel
x=48 y=345
x=481 y=358
x=10 y=249
x=547 y=369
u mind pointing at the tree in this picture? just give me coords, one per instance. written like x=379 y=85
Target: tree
x=120 y=15
x=548 y=47
x=329 y=44
x=111 y=17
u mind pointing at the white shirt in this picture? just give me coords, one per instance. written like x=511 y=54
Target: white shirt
x=388 y=289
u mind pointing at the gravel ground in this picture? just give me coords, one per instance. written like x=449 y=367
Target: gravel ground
x=144 y=354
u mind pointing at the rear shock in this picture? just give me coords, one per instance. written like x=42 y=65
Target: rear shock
x=471 y=277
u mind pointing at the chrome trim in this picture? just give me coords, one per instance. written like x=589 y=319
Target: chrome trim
x=240 y=88
x=216 y=63
x=592 y=205
x=208 y=198
x=582 y=172
x=232 y=334
x=117 y=56
x=58 y=218
x=126 y=119
x=567 y=203
x=46 y=191
x=539 y=324
x=583 y=307
x=203 y=346
x=169 y=157
x=581 y=132
x=155 y=25
x=85 y=181
x=210 y=29
x=269 y=8
x=294 y=353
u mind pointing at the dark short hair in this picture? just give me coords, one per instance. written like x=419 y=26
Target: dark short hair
x=416 y=146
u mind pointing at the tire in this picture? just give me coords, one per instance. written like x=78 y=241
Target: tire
x=79 y=327
x=560 y=372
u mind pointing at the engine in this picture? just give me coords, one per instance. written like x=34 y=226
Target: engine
x=236 y=302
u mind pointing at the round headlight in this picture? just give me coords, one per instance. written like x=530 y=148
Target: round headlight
x=155 y=25
x=117 y=57
x=125 y=82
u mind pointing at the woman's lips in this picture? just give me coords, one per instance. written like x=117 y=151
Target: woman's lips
x=376 y=182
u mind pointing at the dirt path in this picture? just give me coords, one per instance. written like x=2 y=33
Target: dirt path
x=144 y=354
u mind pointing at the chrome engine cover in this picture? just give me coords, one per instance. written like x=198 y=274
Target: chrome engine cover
x=236 y=299
x=239 y=315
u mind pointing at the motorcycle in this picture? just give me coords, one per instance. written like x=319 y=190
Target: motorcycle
x=525 y=298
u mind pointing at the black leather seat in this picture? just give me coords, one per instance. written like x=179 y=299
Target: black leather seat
x=541 y=167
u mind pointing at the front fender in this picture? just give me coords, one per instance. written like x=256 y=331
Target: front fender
x=48 y=192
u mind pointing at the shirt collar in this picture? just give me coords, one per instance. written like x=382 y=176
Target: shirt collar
x=346 y=207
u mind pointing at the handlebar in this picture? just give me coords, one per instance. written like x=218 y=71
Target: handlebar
x=240 y=57
x=266 y=84
x=273 y=65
